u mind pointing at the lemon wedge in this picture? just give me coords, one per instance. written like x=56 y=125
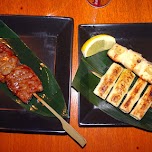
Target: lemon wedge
x=97 y=44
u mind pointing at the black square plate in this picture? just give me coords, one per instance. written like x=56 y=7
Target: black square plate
x=138 y=37
x=51 y=40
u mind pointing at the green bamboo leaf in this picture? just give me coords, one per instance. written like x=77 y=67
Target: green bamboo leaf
x=85 y=82
x=52 y=93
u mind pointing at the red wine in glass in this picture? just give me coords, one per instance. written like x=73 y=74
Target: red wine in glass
x=99 y=3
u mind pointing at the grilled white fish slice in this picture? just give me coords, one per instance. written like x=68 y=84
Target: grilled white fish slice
x=143 y=104
x=108 y=80
x=126 y=57
x=133 y=95
x=121 y=87
x=117 y=53
x=131 y=59
x=144 y=70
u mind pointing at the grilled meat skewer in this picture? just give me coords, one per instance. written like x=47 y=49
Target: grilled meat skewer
x=20 y=79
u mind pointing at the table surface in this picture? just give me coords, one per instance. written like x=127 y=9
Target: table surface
x=116 y=139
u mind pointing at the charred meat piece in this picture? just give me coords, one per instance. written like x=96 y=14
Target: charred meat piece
x=8 y=61
x=5 y=50
x=23 y=82
x=2 y=78
x=7 y=64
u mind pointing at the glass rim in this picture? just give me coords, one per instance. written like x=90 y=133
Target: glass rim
x=95 y=6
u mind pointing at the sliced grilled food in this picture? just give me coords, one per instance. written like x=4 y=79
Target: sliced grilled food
x=121 y=87
x=108 y=80
x=143 y=104
x=144 y=70
x=114 y=86
x=126 y=57
x=133 y=95
x=132 y=60
x=117 y=53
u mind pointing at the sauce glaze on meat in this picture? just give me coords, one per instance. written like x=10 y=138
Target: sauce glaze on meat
x=20 y=79
x=23 y=82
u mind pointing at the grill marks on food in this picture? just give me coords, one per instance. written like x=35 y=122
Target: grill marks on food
x=116 y=88
x=20 y=79
x=8 y=61
x=129 y=58
x=132 y=60
x=144 y=70
x=23 y=82
x=133 y=95
x=108 y=80
x=129 y=101
x=121 y=87
x=143 y=104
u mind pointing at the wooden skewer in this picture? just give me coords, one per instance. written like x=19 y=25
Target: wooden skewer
x=67 y=127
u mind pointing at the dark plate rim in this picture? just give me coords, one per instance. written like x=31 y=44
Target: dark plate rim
x=84 y=120
x=67 y=20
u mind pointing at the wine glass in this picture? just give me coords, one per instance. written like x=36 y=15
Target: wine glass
x=99 y=3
